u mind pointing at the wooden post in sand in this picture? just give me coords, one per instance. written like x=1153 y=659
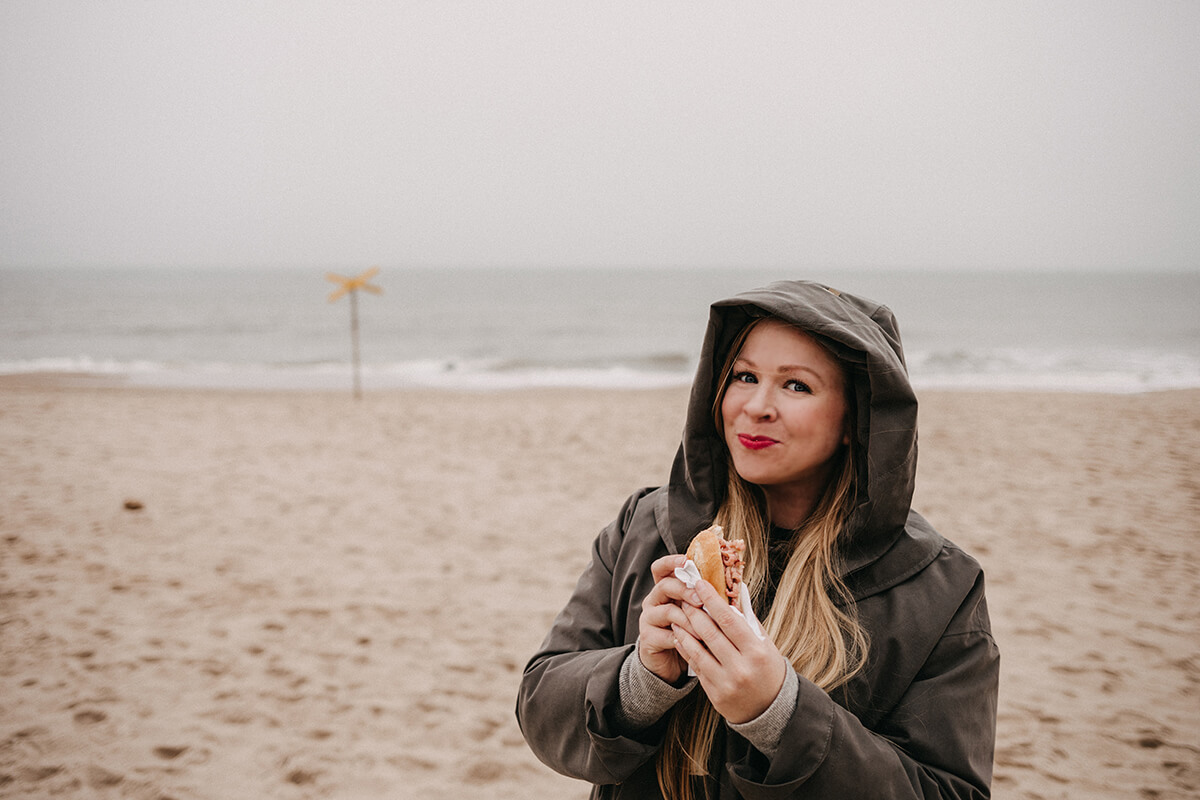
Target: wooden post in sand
x=351 y=286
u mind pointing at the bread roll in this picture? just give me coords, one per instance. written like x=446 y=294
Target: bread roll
x=719 y=562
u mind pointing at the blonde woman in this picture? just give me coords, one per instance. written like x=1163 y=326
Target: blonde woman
x=877 y=676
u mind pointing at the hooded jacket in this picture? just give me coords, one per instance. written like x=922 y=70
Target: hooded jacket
x=917 y=722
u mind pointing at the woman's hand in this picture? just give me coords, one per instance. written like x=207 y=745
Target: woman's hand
x=662 y=612
x=740 y=673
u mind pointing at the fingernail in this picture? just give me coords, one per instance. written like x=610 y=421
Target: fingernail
x=694 y=599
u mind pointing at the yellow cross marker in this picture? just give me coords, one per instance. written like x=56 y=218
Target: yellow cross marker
x=351 y=286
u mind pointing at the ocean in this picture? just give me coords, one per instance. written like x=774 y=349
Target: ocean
x=499 y=328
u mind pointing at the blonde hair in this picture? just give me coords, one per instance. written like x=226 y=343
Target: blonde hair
x=811 y=620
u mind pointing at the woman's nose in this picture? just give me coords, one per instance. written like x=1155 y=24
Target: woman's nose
x=759 y=405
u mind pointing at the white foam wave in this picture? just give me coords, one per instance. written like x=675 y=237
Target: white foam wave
x=422 y=374
x=1109 y=372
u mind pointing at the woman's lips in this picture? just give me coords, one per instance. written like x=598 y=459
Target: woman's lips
x=756 y=442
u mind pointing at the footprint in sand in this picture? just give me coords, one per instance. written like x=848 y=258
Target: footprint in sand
x=35 y=774
x=100 y=778
x=301 y=777
x=169 y=753
x=485 y=729
x=488 y=771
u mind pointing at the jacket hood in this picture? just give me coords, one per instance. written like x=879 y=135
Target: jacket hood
x=864 y=335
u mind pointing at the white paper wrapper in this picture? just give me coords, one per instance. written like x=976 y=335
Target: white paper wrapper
x=690 y=575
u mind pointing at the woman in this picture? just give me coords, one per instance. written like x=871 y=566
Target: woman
x=878 y=674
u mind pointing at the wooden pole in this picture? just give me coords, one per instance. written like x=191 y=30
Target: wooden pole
x=354 y=342
x=351 y=286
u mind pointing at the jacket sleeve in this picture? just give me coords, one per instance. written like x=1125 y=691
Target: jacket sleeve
x=570 y=687
x=937 y=741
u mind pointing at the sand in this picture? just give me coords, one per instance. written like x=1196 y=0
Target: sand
x=319 y=598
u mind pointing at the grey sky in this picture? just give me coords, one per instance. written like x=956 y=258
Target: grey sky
x=958 y=134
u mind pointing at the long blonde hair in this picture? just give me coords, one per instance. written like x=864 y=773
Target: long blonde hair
x=811 y=619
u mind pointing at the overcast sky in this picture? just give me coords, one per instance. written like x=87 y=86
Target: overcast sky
x=958 y=134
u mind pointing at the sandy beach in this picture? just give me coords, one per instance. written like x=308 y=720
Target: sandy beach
x=217 y=594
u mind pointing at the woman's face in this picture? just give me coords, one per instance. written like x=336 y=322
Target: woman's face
x=784 y=416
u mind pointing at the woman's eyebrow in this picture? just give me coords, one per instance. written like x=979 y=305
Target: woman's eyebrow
x=799 y=368
x=782 y=369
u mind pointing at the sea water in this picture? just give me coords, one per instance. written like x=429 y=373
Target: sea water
x=510 y=327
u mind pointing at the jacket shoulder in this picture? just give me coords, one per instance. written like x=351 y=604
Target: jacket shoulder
x=919 y=550
x=944 y=588
x=637 y=518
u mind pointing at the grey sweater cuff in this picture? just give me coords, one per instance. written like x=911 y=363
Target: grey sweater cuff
x=765 y=730
x=644 y=696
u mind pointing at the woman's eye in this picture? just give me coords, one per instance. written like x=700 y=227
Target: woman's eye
x=797 y=386
x=744 y=377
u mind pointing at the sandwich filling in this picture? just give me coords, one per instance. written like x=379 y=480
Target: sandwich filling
x=732 y=559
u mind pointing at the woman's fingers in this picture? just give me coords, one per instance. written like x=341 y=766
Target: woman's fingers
x=740 y=673
x=701 y=624
x=730 y=621
x=668 y=588
x=656 y=641
x=656 y=648
x=693 y=650
x=663 y=615
x=662 y=609
x=662 y=567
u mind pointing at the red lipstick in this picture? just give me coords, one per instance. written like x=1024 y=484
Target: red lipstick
x=756 y=442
